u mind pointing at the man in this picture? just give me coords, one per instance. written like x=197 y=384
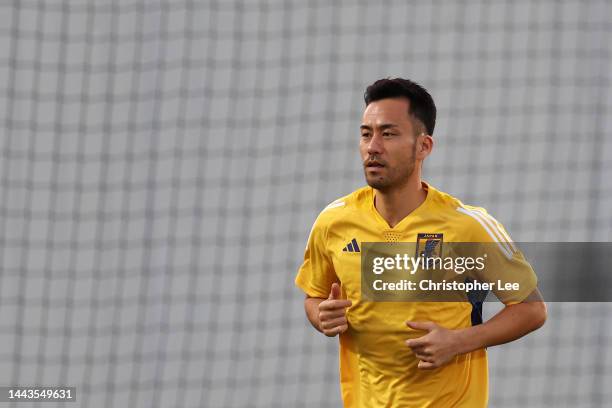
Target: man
x=405 y=354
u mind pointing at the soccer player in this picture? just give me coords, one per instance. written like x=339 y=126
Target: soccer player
x=405 y=354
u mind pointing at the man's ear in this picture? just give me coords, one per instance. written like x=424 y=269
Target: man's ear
x=425 y=145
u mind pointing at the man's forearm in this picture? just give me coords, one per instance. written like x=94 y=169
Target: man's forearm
x=509 y=324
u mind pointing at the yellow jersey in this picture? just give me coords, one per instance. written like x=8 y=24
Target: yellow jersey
x=377 y=368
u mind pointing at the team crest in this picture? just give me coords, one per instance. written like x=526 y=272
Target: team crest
x=429 y=245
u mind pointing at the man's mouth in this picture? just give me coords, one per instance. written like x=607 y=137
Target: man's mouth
x=374 y=164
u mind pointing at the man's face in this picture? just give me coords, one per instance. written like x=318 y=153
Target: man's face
x=388 y=143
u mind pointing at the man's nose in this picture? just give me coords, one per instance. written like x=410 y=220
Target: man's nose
x=375 y=147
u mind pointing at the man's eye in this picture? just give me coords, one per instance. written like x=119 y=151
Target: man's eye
x=365 y=135
x=387 y=134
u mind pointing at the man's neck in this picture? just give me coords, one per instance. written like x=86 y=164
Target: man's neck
x=395 y=204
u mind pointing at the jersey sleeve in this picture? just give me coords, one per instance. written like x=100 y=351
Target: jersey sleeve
x=316 y=274
x=513 y=277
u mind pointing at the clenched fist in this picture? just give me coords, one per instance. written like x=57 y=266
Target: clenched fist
x=332 y=313
x=436 y=348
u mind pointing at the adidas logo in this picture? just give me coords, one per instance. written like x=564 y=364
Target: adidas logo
x=351 y=246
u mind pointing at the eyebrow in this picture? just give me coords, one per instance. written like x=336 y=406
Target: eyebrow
x=381 y=127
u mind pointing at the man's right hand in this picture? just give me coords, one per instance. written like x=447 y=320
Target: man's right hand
x=332 y=313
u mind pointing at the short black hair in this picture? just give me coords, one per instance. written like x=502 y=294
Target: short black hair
x=422 y=105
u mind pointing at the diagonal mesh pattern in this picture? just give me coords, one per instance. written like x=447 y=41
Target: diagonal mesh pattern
x=163 y=162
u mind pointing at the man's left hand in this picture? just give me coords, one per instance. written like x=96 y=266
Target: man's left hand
x=436 y=348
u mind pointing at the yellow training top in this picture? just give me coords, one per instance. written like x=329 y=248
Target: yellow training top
x=377 y=369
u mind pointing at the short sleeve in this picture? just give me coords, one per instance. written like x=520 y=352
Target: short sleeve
x=316 y=275
x=513 y=277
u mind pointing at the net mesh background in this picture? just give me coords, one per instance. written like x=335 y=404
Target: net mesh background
x=163 y=162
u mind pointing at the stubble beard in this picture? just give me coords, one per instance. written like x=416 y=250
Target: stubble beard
x=393 y=177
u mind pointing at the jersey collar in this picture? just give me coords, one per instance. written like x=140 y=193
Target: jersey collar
x=406 y=220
